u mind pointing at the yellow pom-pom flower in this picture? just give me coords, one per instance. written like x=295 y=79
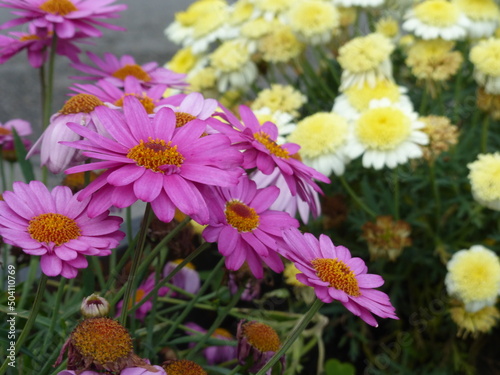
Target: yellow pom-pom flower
x=474 y=277
x=484 y=16
x=486 y=59
x=484 y=177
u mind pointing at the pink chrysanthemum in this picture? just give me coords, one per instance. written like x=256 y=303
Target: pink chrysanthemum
x=114 y=70
x=79 y=109
x=152 y=160
x=55 y=225
x=262 y=151
x=22 y=127
x=244 y=227
x=36 y=43
x=150 y=98
x=66 y=17
x=335 y=275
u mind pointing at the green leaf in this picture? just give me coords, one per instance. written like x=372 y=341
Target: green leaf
x=335 y=367
x=26 y=167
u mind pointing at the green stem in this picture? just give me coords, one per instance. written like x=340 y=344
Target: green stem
x=235 y=370
x=128 y=218
x=301 y=325
x=49 y=84
x=435 y=192
x=2 y=171
x=31 y=320
x=135 y=263
x=484 y=133
x=55 y=312
x=33 y=269
x=395 y=176
x=357 y=199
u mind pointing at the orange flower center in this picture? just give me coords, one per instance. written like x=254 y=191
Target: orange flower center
x=338 y=274
x=25 y=38
x=54 y=228
x=146 y=101
x=271 y=145
x=81 y=103
x=102 y=340
x=241 y=217
x=182 y=118
x=132 y=70
x=184 y=367
x=155 y=153
x=4 y=131
x=61 y=7
x=261 y=336
x=222 y=332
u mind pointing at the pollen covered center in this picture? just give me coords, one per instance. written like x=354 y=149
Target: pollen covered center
x=338 y=274
x=261 y=336
x=55 y=228
x=184 y=367
x=146 y=101
x=25 y=38
x=383 y=128
x=154 y=153
x=85 y=103
x=182 y=118
x=241 y=217
x=271 y=145
x=102 y=339
x=132 y=70
x=4 y=131
x=61 y=7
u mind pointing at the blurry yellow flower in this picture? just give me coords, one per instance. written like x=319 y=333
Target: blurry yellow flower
x=484 y=177
x=488 y=103
x=442 y=135
x=388 y=27
x=486 y=59
x=347 y=16
x=474 y=323
x=202 y=80
x=241 y=12
x=280 y=45
x=361 y=96
x=183 y=61
x=289 y=273
x=483 y=14
x=474 y=277
x=284 y=98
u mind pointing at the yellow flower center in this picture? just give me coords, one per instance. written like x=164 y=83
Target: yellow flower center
x=184 y=367
x=4 y=131
x=54 y=228
x=320 y=134
x=439 y=13
x=102 y=340
x=61 y=7
x=188 y=265
x=241 y=217
x=182 y=118
x=365 y=53
x=313 y=17
x=486 y=57
x=338 y=274
x=155 y=153
x=230 y=56
x=222 y=332
x=479 y=10
x=146 y=101
x=25 y=38
x=261 y=336
x=271 y=145
x=361 y=96
x=132 y=70
x=183 y=61
x=80 y=103
x=383 y=128
x=485 y=176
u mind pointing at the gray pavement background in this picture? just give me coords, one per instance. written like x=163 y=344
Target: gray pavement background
x=145 y=21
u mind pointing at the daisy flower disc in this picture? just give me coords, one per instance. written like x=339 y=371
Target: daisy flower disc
x=149 y=158
x=244 y=227
x=335 y=275
x=55 y=225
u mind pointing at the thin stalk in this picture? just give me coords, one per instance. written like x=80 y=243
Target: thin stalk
x=49 y=84
x=120 y=264
x=435 y=192
x=395 y=178
x=128 y=221
x=135 y=263
x=193 y=301
x=33 y=269
x=55 y=311
x=484 y=133
x=31 y=320
x=2 y=171
x=301 y=325
x=357 y=199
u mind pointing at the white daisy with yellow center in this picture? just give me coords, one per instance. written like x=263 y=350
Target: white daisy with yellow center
x=387 y=134
x=486 y=59
x=358 y=3
x=356 y=99
x=271 y=9
x=314 y=21
x=323 y=138
x=233 y=65
x=484 y=16
x=255 y=29
x=474 y=277
x=484 y=177
x=433 y=19
x=365 y=59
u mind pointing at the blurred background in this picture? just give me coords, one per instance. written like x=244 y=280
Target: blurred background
x=144 y=40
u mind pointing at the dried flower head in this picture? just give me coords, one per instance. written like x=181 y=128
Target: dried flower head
x=94 y=306
x=474 y=323
x=386 y=238
x=488 y=103
x=442 y=135
x=183 y=367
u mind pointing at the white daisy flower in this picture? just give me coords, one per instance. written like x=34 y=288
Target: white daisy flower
x=387 y=134
x=484 y=16
x=358 y=3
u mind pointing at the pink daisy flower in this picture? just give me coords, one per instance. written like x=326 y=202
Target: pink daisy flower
x=78 y=109
x=335 y=275
x=22 y=127
x=151 y=98
x=152 y=160
x=65 y=17
x=116 y=70
x=55 y=226
x=262 y=151
x=193 y=106
x=244 y=227
x=142 y=291
x=215 y=354
x=36 y=43
x=187 y=278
